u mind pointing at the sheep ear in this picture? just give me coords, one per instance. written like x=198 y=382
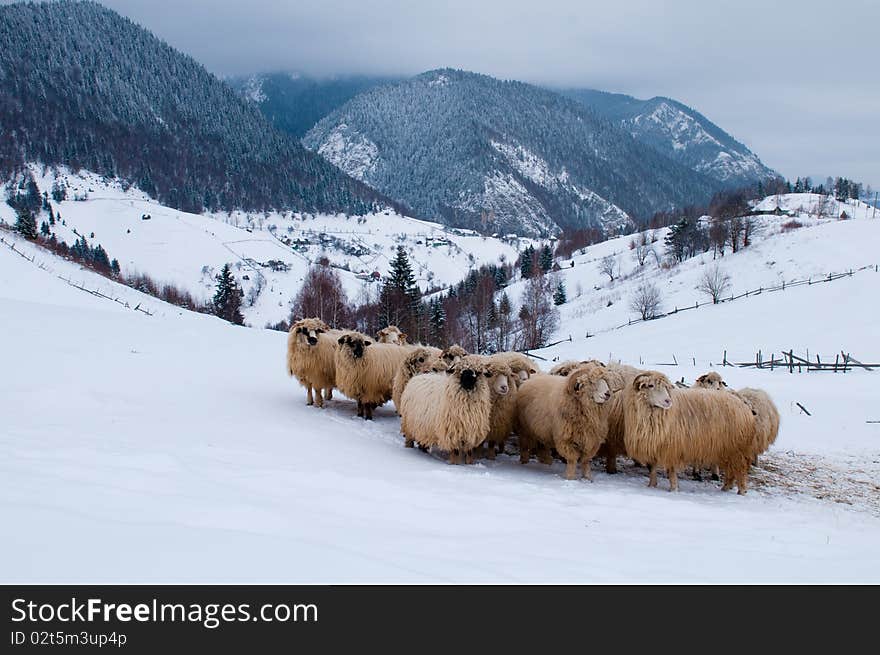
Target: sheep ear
x=367 y=343
x=403 y=335
x=637 y=382
x=723 y=383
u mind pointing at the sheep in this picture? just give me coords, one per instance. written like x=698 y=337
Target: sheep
x=710 y=380
x=670 y=428
x=419 y=360
x=567 y=366
x=618 y=376
x=450 y=411
x=365 y=371
x=523 y=366
x=759 y=403
x=565 y=413
x=311 y=358
x=453 y=353
x=391 y=334
x=503 y=387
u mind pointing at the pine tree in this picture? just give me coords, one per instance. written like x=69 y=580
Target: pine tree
x=437 y=321
x=26 y=224
x=526 y=263
x=546 y=258
x=227 y=299
x=400 y=299
x=44 y=229
x=559 y=297
x=114 y=266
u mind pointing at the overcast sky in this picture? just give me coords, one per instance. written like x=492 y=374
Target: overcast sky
x=796 y=81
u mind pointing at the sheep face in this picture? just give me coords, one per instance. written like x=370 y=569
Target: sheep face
x=421 y=361
x=588 y=383
x=499 y=381
x=355 y=344
x=710 y=380
x=308 y=329
x=391 y=334
x=470 y=372
x=453 y=354
x=655 y=389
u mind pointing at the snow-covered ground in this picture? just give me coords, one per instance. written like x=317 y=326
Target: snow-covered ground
x=188 y=250
x=174 y=448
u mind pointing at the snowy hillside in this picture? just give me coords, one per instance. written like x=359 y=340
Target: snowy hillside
x=271 y=252
x=780 y=252
x=131 y=451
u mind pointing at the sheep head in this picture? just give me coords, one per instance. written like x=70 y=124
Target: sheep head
x=453 y=354
x=308 y=329
x=589 y=384
x=391 y=334
x=654 y=388
x=421 y=360
x=355 y=343
x=470 y=372
x=500 y=377
x=711 y=380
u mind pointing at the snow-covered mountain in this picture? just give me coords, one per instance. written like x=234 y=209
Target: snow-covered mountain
x=501 y=156
x=681 y=133
x=167 y=445
x=294 y=102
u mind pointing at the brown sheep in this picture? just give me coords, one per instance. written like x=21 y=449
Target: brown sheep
x=450 y=411
x=759 y=403
x=503 y=385
x=565 y=413
x=671 y=428
x=419 y=360
x=365 y=371
x=310 y=357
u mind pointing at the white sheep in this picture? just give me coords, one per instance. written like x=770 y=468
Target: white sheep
x=450 y=411
x=420 y=360
x=365 y=371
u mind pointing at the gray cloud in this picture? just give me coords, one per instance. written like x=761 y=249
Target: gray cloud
x=795 y=81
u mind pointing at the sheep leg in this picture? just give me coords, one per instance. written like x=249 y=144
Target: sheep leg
x=716 y=473
x=742 y=482
x=586 y=469
x=695 y=473
x=424 y=449
x=409 y=442
x=319 y=399
x=673 y=478
x=328 y=393
x=360 y=408
x=571 y=460
x=652 y=477
x=368 y=411
x=525 y=453
x=309 y=399
x=611 y=463
x=469 y=457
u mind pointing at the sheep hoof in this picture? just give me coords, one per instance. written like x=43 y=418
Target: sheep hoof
x=424 y=449
x=696 y=476
x=409 y=443
x=715 y=477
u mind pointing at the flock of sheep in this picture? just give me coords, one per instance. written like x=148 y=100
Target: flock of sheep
x=469 y=405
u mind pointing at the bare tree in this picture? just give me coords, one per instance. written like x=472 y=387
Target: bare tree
x=719 y=232
x=646 y=301
x=641 y=247
x=714 y=283
x=537 y=315
x=322 y=296
x=608 y=266
x=735 y=232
